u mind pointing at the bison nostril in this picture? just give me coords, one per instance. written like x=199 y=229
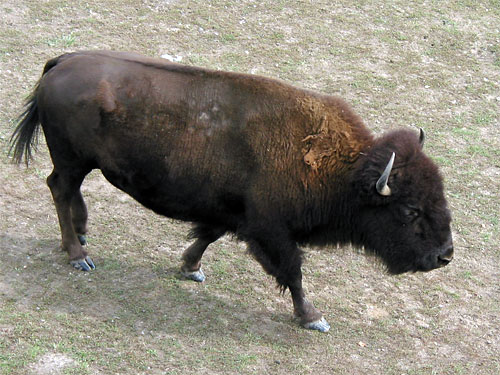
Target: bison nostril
x=446 y=257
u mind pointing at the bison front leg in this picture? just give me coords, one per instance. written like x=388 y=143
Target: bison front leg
x=284 y=263
x=309 y=316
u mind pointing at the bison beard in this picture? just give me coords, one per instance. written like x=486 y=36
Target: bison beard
x=275 y=165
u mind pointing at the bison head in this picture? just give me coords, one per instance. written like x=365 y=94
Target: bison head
x=403 y=216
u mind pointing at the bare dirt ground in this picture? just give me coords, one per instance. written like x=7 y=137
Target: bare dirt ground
x=428 y=64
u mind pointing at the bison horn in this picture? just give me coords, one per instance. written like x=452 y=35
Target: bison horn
x=382 y=187
x=421 y=139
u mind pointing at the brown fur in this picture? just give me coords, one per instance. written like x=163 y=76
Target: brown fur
x=276 y=165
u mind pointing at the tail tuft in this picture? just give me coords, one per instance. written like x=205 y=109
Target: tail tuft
x=25 y=136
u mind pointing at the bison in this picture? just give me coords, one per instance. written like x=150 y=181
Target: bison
x=275 y=165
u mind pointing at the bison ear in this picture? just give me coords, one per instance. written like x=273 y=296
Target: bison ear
x=421 y=138
x=382 y=187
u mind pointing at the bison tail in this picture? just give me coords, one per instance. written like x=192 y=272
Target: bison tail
x=25 y=136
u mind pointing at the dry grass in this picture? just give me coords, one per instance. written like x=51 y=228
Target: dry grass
x=430 y=64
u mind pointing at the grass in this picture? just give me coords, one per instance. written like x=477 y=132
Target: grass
x=63 y=41
x=432 y=65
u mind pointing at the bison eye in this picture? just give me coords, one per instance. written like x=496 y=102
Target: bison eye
x=411 y=213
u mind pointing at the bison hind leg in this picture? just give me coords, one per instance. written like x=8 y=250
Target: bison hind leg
x=205 y=234
x=79 y=217
x=82 y=239
x=85 y=264
x=64 y=184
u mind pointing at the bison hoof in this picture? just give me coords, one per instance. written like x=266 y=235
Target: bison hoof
x=82 y=239
x=318 y=325
x=85 y=264
x=197 y=276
